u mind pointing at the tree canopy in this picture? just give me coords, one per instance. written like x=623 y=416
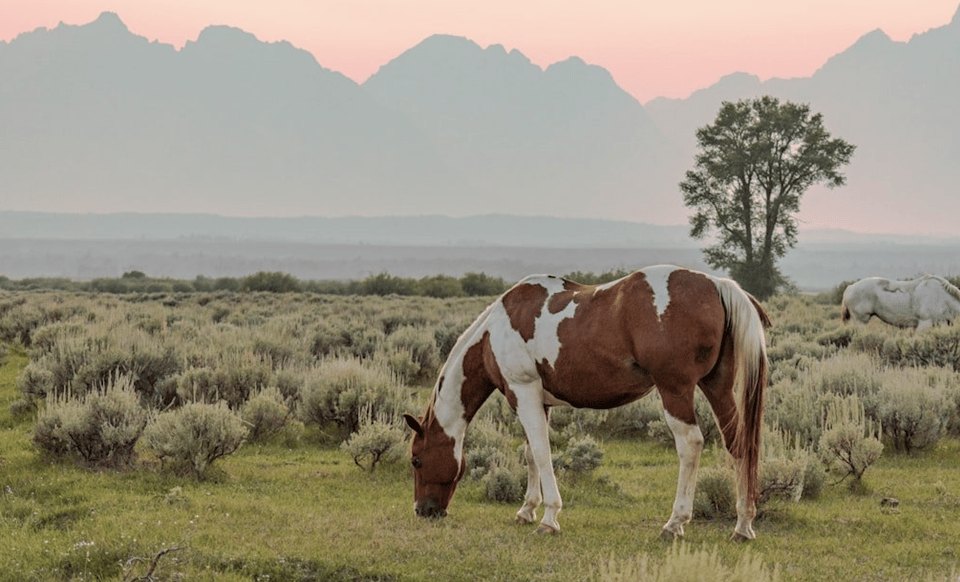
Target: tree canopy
x=755 y=162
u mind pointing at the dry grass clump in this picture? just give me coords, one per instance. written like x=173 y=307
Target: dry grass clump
x=682 y=563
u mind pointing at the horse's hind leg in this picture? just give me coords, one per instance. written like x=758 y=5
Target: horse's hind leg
x=725 y=409
x=718 y=389
x=689 y=441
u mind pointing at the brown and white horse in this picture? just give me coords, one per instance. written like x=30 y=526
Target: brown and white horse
x=549 y=341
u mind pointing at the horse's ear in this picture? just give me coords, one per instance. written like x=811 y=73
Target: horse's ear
x=414 y=424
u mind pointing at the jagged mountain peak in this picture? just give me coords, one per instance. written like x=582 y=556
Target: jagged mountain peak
x=575 y=66
x=226 y=35
x=452 y=57
x=107 y=22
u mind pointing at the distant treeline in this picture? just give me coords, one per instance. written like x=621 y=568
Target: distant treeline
x=469 y=285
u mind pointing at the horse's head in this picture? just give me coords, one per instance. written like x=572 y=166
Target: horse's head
x=436 y=469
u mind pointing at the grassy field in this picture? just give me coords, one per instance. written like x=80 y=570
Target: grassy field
x=299 y=509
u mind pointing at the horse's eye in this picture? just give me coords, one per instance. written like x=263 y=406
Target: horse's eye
x=416 y=463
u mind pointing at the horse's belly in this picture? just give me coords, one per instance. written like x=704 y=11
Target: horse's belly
x=600 y=390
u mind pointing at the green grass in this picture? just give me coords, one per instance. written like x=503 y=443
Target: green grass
x=307 y=513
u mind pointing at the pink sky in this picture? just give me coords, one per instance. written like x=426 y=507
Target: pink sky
x=652 y=47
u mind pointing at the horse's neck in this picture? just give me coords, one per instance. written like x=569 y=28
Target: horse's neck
x=455 y=402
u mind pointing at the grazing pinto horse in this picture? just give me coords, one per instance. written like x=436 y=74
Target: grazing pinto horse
x=549 y=341
x=920 y=303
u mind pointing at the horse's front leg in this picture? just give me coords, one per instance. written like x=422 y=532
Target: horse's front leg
x=541 y=479
x=533 y=497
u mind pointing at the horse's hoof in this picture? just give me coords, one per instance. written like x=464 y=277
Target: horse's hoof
x=740 y=538
x=545 y=529
x=669 y=536
x=523 y=520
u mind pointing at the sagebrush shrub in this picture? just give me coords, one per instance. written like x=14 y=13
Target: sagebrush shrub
x=346 y=338
x=90 y=357
x=784 y=466
x=850 y=442
x=481 y=460
x=147 y=365
x=20 y=319
x=632 y=420
x=795 y=407
x=35 y=382
x=275 y=351
x=793 y=345
x=582 y=455
x=493 y=459
x=232 y=382
x=446 y=334
x=399 y=362
x=338 y=389
x=869 y=340
x=101 y=428
x=716 y=494
x=394 y=319
x=487 y=445
x=192 y=437
x=265 y=414
x=913 y=412
x=503 y=485
x=840 y=337
x=938 y=347
x=378 y=440
x=846 y=374
x=419 y=345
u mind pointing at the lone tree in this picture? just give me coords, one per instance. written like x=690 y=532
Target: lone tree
x=755 y=162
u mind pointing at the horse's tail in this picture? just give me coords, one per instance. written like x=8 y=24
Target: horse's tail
x=746 y=319
x=844 y=313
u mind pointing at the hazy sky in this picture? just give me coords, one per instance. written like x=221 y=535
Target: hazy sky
x=652 y=47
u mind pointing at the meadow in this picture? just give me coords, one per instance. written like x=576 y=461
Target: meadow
x=320 y=489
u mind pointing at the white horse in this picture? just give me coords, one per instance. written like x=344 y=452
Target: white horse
x=920 y=303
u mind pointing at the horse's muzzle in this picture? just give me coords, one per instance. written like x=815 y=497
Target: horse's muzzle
x=430 y=508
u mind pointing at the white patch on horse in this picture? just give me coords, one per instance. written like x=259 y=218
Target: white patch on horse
x=658 y=278
x=546 y=338
x=518 y=358
x=509 y=348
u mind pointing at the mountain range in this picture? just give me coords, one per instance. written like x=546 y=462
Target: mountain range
x=97 y=119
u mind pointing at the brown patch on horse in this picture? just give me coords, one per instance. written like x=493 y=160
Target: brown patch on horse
x=559 y=301
x=523 y=304
x=704 y=353
x=481 y=376
x=595 y=345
